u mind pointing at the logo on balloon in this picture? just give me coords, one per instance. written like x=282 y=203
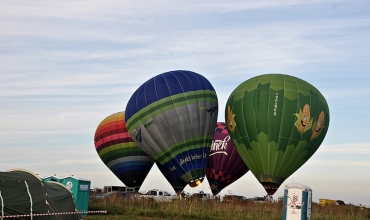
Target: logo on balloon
x=138 y=136
x=276 y=101
x=304 y=120
x=211 y=110
x=219 y=146
x=231 y=124
x=192 y=157
x=319 y=125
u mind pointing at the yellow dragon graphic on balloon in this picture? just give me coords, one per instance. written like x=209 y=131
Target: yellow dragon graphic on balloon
x=304 y=122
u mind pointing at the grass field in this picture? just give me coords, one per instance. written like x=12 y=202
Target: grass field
x=128 y=209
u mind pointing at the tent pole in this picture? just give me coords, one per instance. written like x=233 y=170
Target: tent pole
x=2 y=206
x=29 y=194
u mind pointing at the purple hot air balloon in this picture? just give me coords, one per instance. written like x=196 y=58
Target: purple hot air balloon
x=225 y=165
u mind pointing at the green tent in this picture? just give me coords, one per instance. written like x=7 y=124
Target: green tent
x=23 y=194
x=60 y=200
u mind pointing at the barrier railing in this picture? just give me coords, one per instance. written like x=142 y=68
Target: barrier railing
x=48 y=214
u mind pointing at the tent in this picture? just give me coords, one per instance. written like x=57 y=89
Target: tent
x=59 y=199
x=23 y=193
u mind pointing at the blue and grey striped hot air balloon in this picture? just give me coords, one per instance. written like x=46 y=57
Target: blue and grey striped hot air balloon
x=172 y=117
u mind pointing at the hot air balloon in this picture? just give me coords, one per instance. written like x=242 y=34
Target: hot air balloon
x=176 y=182
x=225 y=165
x=172 y=118
x=277 y=122
x=120 y=153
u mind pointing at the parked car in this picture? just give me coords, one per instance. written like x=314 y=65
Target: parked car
x=228 y=198
x=157 y=195
x=261 y=199
x=201 y=196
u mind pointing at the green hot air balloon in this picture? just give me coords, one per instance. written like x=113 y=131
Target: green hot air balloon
x=277 y=122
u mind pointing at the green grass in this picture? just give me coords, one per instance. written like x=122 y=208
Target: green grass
x=128 y=209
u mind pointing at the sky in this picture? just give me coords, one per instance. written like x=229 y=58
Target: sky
x=66 y=65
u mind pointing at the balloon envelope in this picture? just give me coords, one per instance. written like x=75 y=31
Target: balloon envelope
x=176 y=182
x=276 y=122
x=225 y=165
x=172 y=118
x=120 y=153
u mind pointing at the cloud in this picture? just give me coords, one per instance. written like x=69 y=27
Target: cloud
x=341 y=164
x=94 y=9
x=346 y=148
x=80 y=53
x=63 y=162
x=75 y=162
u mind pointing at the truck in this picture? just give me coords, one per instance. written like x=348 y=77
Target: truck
x=324 y=202
x=157 y=195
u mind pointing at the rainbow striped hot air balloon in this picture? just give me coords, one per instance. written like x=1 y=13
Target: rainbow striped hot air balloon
x=172 y=117
x=120 y=153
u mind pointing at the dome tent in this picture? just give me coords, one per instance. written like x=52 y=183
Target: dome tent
x=23 y=193
x=79 y=187
x=59 y=198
